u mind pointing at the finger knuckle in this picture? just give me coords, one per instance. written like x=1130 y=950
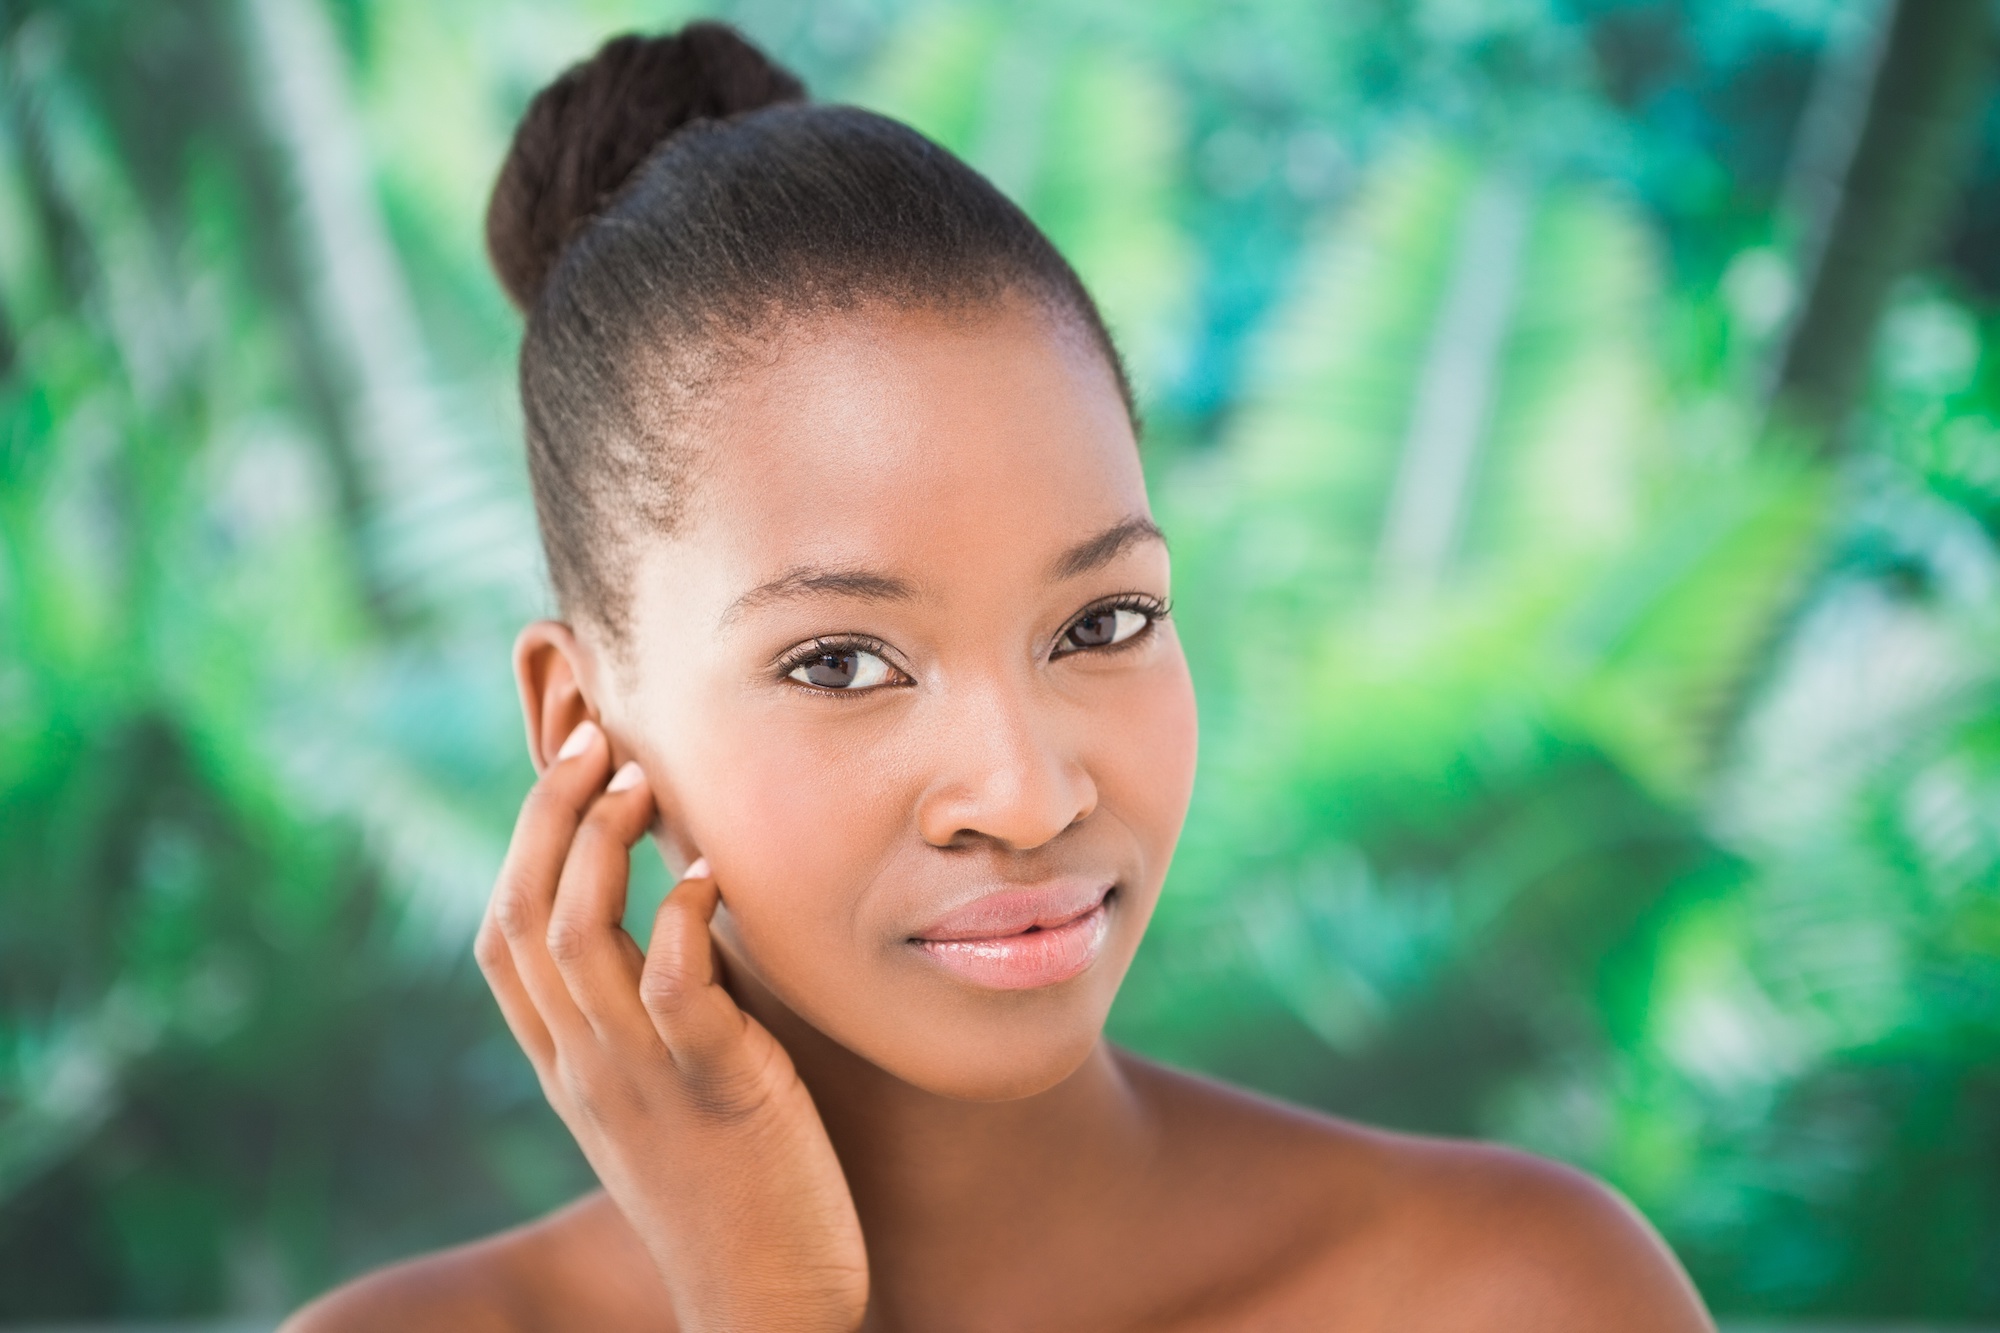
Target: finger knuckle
x=511 y=913
x=544 y=803
x=489 y=949
x=567 y=940
x=663 y=990
x=594 y=837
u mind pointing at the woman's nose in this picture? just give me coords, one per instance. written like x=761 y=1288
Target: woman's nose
x=1007 y=770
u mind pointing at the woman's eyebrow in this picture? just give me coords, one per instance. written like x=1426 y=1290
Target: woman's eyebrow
x=1105 y=547
x=822 y=581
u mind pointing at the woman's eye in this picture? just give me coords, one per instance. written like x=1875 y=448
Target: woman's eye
x=842 y=669
x=1101 y=629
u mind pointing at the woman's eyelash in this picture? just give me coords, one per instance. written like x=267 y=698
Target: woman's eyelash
x=814 y=649
x=1144 y=603
x=1154 y=609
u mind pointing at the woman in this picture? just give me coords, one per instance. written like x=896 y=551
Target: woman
x=866 y=621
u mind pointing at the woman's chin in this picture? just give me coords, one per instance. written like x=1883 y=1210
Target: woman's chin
x=972 y=1043
x=965 y=1043
x=981 y=1071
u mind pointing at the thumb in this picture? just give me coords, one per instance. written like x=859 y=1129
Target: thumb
x=680 y=985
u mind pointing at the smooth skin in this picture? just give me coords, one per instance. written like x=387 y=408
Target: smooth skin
x=801 y=1121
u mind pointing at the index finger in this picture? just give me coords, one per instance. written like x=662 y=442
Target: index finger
x=586 y=937
x=525 y=891
x=551 y=813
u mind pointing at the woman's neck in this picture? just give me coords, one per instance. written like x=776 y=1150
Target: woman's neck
x=959 y=1198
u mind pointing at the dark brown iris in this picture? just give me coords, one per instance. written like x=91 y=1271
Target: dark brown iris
x=834 y=670
x=1094 y=630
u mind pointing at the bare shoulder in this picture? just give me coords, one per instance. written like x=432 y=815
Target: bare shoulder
x=578 y=1267
x=1413 y=1233
x=1519 y=1241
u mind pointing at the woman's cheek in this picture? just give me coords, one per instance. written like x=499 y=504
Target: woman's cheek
x=786 y=822
x=1148 y=763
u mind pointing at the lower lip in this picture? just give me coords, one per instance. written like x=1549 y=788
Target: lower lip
x=1029 y=960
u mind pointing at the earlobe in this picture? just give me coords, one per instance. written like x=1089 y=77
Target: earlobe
x=552 y=676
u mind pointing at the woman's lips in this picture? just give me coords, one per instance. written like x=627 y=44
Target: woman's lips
x=1022 y=939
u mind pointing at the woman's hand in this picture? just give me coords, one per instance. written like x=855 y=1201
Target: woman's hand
x=687 y=1108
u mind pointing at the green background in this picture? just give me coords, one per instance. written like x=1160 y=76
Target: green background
x=1594 y=756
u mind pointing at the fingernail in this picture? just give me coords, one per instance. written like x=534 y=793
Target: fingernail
x=699 y=870
x=579 y=740
x=628 y=776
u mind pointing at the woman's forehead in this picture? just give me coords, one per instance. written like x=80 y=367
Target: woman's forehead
x=930 y=435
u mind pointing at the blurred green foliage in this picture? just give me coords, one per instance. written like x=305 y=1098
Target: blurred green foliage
x=1580 y=769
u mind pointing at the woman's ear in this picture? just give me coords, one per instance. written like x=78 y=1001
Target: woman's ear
x=553 y=675
x=556 y=676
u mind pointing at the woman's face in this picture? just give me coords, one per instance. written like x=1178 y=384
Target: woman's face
x=902 y=678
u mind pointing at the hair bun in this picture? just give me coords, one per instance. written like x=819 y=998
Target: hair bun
x=584 y=134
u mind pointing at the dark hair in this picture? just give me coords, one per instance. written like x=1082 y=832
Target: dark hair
x=661 y=204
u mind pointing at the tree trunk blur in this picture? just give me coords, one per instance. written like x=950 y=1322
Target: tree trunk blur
x=1876 y=172
x=1876 y=196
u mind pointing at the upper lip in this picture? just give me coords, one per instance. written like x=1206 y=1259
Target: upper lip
x=1013 y=910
